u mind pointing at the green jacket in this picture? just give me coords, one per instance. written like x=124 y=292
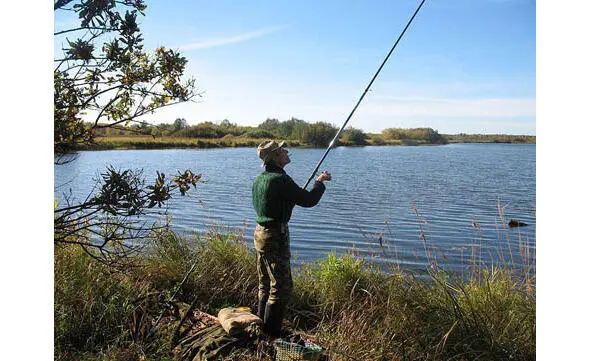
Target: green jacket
x=274 y=194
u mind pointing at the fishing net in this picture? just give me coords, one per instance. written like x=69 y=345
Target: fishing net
x=288 y=351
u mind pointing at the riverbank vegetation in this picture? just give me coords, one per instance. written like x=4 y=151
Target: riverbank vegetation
x=343 y=303
x=491 y=138
x=298 y=133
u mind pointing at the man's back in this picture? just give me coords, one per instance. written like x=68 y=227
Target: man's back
x=268 y=200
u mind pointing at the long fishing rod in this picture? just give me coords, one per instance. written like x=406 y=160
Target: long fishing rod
x=332 y=142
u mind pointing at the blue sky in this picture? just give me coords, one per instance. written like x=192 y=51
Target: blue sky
x=463 y=65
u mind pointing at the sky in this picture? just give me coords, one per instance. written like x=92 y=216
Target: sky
x=463 y=66
x=285 y=59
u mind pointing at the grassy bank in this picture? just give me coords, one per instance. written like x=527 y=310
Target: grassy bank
x=168 y=142
x=165 y=142
x=348 y=306
x=490 y=138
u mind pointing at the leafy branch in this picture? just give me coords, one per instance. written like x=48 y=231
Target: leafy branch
x=108 y=224
x=106 y=70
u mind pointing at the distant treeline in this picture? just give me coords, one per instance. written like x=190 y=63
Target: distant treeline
x=317 y=134
x=490 y=138
x=299 y=132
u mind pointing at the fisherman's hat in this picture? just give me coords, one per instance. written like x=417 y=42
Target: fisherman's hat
x=266 y=150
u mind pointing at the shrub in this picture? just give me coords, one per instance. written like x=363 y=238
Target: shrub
x=414 y=134
x=258 y=133
x=377 y=139
x=353 y=136
x=318 y=134
x=201 y=130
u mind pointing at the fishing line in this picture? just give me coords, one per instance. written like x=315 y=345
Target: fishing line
x=336 y=137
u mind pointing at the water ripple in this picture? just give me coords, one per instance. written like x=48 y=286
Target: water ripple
x=374 y=196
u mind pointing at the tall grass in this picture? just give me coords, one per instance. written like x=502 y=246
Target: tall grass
x=344 y=303
x=93 y=305
x=368 y=314
x=165 y=142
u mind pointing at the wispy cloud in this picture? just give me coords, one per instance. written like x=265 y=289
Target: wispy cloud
x=453 y=107
x=228 y=40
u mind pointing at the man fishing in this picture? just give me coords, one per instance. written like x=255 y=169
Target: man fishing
x=274 y=195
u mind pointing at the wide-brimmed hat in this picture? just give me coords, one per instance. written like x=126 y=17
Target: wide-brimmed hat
x=266 y=150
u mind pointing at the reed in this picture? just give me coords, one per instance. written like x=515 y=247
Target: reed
x=345 y=303
x=376 y=315
x=93 y=305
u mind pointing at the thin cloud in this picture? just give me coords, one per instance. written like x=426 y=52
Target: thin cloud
x=228 y=40
x=433 y=107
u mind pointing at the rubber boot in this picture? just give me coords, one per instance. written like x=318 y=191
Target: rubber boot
x=273 y=317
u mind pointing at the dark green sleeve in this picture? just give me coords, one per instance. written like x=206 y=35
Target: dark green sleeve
x=303 y=198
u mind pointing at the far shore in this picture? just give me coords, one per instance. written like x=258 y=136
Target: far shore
x=168 y=142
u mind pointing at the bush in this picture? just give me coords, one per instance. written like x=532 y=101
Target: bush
x=353 y=136
x=258 y=133
x=201 y=130
x=377 y=139
x=427 y=135
x=318 y=134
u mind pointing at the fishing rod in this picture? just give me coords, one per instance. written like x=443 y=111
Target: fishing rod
x=336 y=137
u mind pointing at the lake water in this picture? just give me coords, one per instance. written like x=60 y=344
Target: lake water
x=428 y=203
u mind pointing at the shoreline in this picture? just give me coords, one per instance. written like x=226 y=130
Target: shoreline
x=148 y=142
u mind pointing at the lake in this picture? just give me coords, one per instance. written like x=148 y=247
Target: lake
x=403 y=205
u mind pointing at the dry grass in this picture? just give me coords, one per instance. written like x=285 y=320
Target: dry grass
x=167 y=142
x=346 y=304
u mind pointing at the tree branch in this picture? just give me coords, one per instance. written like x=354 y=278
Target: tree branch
x=85 y=28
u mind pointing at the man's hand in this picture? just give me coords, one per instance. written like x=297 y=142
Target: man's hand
x=324 y=176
